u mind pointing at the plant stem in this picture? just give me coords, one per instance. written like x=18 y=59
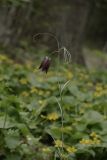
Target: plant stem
x=5 y=119
x=62 y=118
x=58 y=149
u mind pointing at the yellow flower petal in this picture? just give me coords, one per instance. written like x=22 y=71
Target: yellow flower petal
x=53 y=116
x=71 y=149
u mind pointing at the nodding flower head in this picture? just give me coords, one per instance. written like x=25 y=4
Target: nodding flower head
x=62 y=52
x=45 y=64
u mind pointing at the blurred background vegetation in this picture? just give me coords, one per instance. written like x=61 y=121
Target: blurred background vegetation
x=79 y=25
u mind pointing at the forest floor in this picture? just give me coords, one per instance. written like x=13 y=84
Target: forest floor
x=58 y=115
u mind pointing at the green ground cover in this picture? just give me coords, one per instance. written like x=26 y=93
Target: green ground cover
x=53 y=116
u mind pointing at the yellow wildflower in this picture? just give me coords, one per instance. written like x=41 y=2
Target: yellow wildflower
x=83 y=76
x=82 y=111
x=46 y=149
x=25 y=94
x=93 y=135
x=99 y=88
x=71 y=149
x=52 y=116
x=86 y=141
x=58 y=143
x=69 y=75
x=23 y=81
x=96 y=141
x=42 y=102
x=34 y=90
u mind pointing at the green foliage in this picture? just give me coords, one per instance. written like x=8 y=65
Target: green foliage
x=30 y=119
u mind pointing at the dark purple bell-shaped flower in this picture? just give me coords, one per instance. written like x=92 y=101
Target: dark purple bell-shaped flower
x=45 y=64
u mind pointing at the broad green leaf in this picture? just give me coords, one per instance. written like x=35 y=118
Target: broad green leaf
x=92 y=117
x=12 y=140
x=13 y=157
x=8 y=123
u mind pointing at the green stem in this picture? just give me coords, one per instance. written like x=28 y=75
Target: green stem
x=60 y=104
x=5 y=119
x=62 y=118
x=58 y=149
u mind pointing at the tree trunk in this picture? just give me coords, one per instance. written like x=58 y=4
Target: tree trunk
x=71 y=29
